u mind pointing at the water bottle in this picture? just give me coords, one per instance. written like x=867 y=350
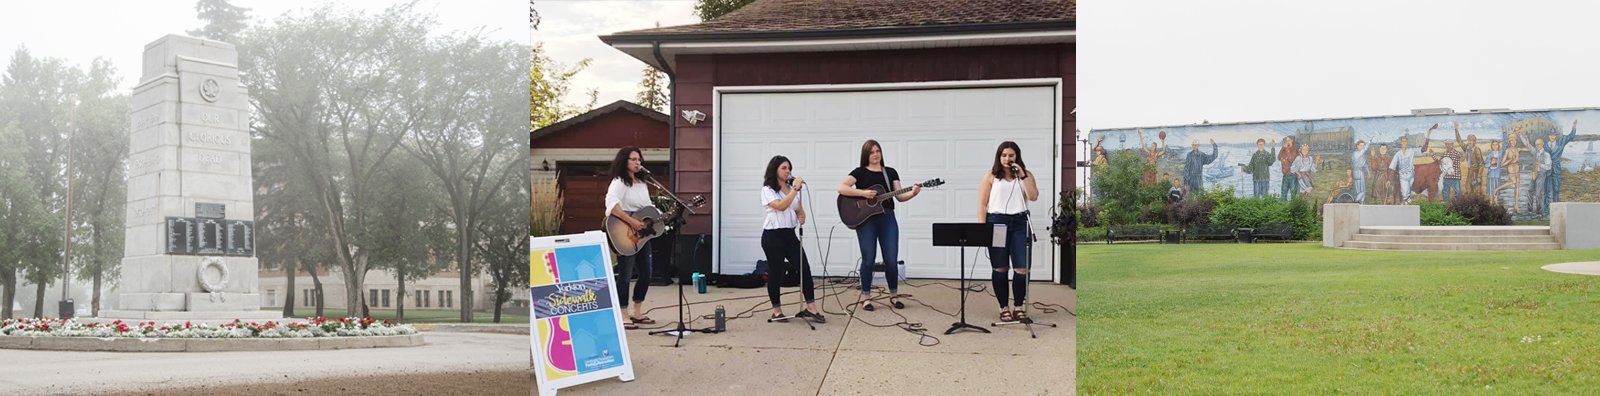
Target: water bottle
x=722 y=319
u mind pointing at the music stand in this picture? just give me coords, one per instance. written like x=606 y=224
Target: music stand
x=963 y=235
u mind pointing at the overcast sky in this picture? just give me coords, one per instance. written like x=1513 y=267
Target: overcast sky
x=1168 y=62
x=570 y=30
x=79 y=31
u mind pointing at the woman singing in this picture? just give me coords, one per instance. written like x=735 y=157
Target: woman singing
x=881 y=230
x=626 y=194
x=1003 y=198
x=780 y=197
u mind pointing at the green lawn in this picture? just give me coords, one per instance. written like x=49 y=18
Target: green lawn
x=416 y=316
x=1303 y=319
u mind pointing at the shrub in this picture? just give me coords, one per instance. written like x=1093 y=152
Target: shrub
x=1088 y=216
x=1091 y=234
x=1435 y=214
x=1188 y=212
x=1479 y=210
x=1256 y=212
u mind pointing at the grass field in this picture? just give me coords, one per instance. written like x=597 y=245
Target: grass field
x=1303 y=319
x=416 y=316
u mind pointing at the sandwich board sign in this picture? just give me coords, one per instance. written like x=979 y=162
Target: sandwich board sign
x=576 y=329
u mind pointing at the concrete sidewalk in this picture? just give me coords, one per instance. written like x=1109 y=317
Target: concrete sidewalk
x=843 y=356
x=847 y=356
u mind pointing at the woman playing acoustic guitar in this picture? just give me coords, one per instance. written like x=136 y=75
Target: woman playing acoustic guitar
x=882 y=230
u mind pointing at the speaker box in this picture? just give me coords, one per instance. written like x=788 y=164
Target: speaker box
x=693 y=254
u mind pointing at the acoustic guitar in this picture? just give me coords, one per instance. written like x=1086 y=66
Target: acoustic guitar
x=855 y=211
x=627 y=241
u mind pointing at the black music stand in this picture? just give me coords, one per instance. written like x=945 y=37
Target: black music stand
x=963 y=235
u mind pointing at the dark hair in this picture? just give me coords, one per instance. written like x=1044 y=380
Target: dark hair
x=999 y=171
x=619 y=165
x=770 y=178
x=866 y=152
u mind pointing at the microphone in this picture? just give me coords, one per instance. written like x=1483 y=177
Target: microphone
x=790 y=182
x=644 y=171
x=1017 y=170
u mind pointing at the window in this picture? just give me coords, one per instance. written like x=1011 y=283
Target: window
x=442 y=302
x=305 y=298
x=418 y=303
x=373 y=300
x=385 y=298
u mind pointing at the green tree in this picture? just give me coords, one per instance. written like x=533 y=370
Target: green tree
x=224 y=21
x=328 y=86
x=37 y=98
x=712 y=9
x=549 y=82
x=100 y=149
x=1124 y=198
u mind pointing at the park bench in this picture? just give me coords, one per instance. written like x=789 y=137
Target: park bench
x=1209 y=232
x=1132 y=232
x=1281 y=232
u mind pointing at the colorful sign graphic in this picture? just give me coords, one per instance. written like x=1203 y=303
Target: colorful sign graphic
x=577 y=332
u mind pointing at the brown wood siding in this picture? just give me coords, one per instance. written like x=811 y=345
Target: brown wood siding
x=698 y=74
x=583 y=187
x=614 y=130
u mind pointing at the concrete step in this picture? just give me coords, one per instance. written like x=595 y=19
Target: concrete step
x=1457 y=230
x=1454 y=238
x=1449 y=246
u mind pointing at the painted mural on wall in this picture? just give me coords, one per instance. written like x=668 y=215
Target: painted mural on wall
x=1524 y=160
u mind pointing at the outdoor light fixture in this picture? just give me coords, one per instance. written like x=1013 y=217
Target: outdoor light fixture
x=694 y=116
x=546 y=165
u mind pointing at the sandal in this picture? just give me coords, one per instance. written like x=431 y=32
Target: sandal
x=1005 y=316
x=1022 y=316
x=777 y=317
x=630 y=326
x=896 y=302
x=867 y=305
x=815 y=317
x=643 y=320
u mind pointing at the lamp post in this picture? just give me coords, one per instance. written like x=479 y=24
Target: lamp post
x=66 y=232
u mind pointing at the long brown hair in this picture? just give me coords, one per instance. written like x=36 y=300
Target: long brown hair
x=997 y=169
x=619 y=165
x=866 y=153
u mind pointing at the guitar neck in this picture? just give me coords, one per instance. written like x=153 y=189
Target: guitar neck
x=890 y=195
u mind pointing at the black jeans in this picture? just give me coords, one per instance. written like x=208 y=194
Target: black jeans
x=783 y=252
x=626 y=266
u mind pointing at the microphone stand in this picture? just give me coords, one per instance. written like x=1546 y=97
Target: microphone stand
x=683 y=303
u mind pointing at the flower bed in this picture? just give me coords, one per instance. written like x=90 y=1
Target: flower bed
x=310 y=328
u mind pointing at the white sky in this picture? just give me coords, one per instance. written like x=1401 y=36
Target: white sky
x=79 y=31
x=1168 y=62
x=570 y=30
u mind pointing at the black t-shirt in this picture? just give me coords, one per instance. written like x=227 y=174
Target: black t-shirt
x=867 y=178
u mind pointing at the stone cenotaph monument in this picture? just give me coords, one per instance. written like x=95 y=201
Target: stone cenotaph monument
x=190 y=237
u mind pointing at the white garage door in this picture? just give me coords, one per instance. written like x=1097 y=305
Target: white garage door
x=948 y=133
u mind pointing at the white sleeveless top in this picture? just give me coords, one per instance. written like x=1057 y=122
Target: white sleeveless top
x=1007 y=197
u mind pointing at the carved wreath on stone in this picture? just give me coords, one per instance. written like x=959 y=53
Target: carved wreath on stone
x=221 y=274
x=209 y=90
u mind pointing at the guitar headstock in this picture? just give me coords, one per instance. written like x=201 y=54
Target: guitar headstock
x=932 y=183
x=697 y=201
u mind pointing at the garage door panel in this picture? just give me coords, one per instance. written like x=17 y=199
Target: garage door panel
x=948 y=134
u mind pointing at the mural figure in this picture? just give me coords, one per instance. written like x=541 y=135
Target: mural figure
x=1194 y=166
x=1541 y=165
x=1558 y=144
x=1260 y=166
x=1405 y=166
x=1493 y=160
x=1152 y=155
x=1513 y=167
x=1343 y=192
x=1450 y=166
x=1471 y=162
x=1286 y=156
x=1304 y=165
x=1384 y=188
x=1358 y=172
